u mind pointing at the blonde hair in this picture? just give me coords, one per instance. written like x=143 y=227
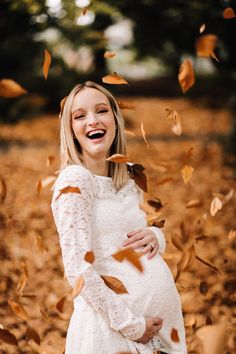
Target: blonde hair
x=70 y=149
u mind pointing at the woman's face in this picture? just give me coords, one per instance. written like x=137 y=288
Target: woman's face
x=93 y=122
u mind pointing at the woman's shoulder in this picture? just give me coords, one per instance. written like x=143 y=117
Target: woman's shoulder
x=74 y=171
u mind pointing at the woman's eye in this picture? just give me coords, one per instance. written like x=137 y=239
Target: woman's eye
x=102 y=111
x=80 y=116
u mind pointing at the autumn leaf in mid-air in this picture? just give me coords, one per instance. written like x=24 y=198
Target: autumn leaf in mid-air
x=31 y=333
x=125 y=105
x=216 y=205
x=205 y=46
x=229 y=13
x=202 y=28
x=187 y=172
x=118 y=158
x=109 y=54
x=115 y=284
x=68 y=189
x=173 y=118
x=8 y=337
x=9 y=89
x=114 y=79
x=144 y=134
x=46 y=63
x=3 y=190
x=60 y=304
x=18 y=309
x=186 y=75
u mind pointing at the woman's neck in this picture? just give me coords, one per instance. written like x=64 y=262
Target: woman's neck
x=97 y=167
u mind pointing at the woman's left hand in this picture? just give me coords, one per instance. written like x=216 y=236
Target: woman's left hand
x=143 y=237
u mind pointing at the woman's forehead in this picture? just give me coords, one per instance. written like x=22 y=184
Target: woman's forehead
x=89 y=96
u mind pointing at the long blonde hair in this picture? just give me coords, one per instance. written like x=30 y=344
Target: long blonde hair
x=70 y=149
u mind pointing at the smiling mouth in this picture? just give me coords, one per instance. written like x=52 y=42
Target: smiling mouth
x=96 y=135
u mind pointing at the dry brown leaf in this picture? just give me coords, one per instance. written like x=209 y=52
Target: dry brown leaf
x=68 y=189
x=174 y=335
x=173 y=118
x=213 y=338
x=31 y=333
x=3 y=189
x=60 y=304
x=84 y=11
x=205 y=45
x=144 y=135
x=228 y=196
x=202 y=28
x=9 y=89
x=195 y=203
x=186 y=75
x=114 y=79
x=19 y=310
x=44 y=311
x=118 y=158
x=89 y=257
x=115 y=284
x=46 y=63
x=21 y=284
x=158 y=223
x=50 y=160
x=207 y=263
x=187 y=172
x=109 y=54
x=216 y=205
x=125 y=105
x=39 y=185
x=229 y=13
x=8 y=337
x=130 y=255
x=78 y=286
x=203 y=288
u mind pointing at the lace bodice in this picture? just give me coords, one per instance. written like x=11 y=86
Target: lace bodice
x=74 y=215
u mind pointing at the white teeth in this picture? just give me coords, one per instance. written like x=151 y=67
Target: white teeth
x=95 y=132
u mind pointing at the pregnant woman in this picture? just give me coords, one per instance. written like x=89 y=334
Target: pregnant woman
x=96 y=209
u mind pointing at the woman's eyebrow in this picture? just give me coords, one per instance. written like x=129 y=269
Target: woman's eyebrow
x=76 y=110
x=98 y=104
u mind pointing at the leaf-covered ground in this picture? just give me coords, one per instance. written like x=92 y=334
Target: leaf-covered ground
x=30 y=259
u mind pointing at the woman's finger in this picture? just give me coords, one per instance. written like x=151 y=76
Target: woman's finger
x=132 y=233
x=153 y=252
x=134 y=238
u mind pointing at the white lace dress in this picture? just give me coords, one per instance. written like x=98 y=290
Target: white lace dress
x=99 y=219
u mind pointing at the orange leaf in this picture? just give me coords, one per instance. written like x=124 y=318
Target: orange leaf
x=78 y=286
x=89 y=257
x=187 y=172
x=3 y=189
x=31 y=333
x=216 y=205
x=60 y=304
x=118 y=158
x=125 y=105
x=46 y=63
x=186 y=75
x=115 y=284
x=68 y=189
x=144 y=134
x=109 y=54
x=39 y=185
x=174 y=335
x=173 y=119
x=229 y=13
x=114 y=79
x=50 y=160
x=202 y=28
x=130 y=255
x=8 y=337
x=18 y=310
x=10 y=88
x=158 y=223
x=205 y=45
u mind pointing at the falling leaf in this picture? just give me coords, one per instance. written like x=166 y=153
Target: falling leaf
x=50 y=160
x=187 y=172
x=21 y=284
x=164 y=181
x=205 y=45
x=155 y=203
x=3 y=189
x=8 y=337
x=131 y=256
x=208 y=264
x=31 y=333
x=174 y=335
x=195 y=203
x=136 y=171
x=144 y=134
x=89 y=257
x=18 y=310
x=109 y=54
x=60 y=304
x=125 y=105
x=203 y=288
x=114 y=79
x=115 y=284
x=39 y=185
x=216 y=205
x=158 y=223
x=46 y=63
x=78 y=286
x=44 y=311
x=229 y=13
x=68 y=189
x=202 y=28
x=10 y=89
x=213 y=338
x=228 y=196
x=173 y=119
x=186 y=75
x=209 y=321
x=118 y=158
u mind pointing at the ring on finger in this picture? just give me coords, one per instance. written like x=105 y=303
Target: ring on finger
x=151 y=246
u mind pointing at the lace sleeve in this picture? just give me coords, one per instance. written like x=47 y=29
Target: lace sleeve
x=72 y=213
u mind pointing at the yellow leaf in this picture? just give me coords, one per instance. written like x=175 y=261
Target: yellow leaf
x=174 y=335
x=118 y=158
x=68 y=189
x=18 y=310
x=213 y=338
x=144 y=134
x=216 y=205
x=78 y=286
x=114 y=79
x=187 y=172
x=229 y=13
x=3 y=189
x=115 y=284
x=130 y=255
x=10 y=88
x=202 y=28
x=174 y=121
x=186 y=75
x=109 y=54
x=89 y=257
x=205 y=45
x=46 y=63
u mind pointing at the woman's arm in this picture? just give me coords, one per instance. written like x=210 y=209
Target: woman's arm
x=73 y=218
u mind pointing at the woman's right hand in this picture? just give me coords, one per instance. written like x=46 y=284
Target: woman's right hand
x=153 y=326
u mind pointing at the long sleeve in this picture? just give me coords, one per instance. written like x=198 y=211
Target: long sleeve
x=72 y=214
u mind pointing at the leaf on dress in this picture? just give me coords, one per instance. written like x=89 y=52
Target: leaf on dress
x=31 y=333
x=68 y=189
x=18 y=309
x=9 y=89
x=216 y=205
x=173 y=118
x=3 y=189
x=8 y=337
x=115 y=284
x=78 y=286
x=46 y=63
x=60 y=304
x=174 y=335
x=89 y=257
x=131 y=256
x=229 y=13
x=186 y=75
x=114 y=79
x=118 y=158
